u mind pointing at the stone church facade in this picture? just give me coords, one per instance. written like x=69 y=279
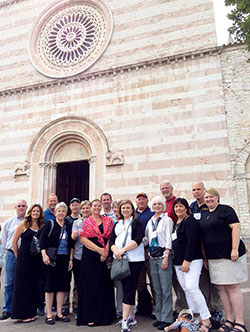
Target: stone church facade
x=117 y=96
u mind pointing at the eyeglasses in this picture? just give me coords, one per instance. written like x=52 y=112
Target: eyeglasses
x=21 y=205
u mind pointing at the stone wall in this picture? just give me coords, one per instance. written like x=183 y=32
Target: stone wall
x=236 y=85
x=143 y=30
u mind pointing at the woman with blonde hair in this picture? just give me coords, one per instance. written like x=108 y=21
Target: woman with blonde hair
x=24 y=300
x=226 y=258
x=85 y=210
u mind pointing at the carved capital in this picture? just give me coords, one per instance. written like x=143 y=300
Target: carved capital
x=92 y=159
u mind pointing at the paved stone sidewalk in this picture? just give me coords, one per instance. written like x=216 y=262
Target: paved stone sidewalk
x=144 y=323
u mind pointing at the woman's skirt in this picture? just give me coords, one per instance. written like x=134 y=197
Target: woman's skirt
x=227 y=272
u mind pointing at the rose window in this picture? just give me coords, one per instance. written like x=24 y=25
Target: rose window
x=66 y=40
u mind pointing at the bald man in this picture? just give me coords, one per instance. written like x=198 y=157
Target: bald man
x=209 y=290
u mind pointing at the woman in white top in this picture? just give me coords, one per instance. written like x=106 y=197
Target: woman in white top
x=134 y=250
x=158 y=235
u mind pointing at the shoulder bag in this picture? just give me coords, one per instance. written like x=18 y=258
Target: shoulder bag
x=35 y=245
x=120 y=267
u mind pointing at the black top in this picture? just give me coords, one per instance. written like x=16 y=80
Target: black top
x=144 y=216
x=53 y=239
x=187 y=245
x=195 y=208
x=217 y=234
x=137 y=233
x=70 y=219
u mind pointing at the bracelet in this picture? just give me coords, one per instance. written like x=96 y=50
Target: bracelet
x=165 y=255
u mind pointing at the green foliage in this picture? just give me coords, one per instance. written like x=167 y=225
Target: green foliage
x=240 y=17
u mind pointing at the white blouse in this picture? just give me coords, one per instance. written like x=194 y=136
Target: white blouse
x=163 y=231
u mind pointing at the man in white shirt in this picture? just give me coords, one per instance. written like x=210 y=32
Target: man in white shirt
x=8 y=232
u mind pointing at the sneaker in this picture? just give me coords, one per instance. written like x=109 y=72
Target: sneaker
x=132 y=321
x=124 y=326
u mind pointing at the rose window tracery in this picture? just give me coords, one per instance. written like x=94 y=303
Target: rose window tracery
x=66 y=41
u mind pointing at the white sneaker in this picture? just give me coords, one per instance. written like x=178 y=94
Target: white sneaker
x=124 y=326
x=132 y=321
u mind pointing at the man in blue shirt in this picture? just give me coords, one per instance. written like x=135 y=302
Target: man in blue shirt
x=49 y=213
x=144 y=214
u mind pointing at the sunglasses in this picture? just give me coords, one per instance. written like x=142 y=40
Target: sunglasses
x=21 y=205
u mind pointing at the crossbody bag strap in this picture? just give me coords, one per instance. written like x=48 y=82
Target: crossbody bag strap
x=126 y=235
x=51 y=227
x=61 y=234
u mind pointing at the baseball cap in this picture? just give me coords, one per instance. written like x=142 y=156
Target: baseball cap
x=75 y=200
x=142 y=194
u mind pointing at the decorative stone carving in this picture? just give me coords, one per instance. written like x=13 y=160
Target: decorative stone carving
x=114 y=158
x=69 y=36
x=22 y=168
x=92 y=159
x=45 y=164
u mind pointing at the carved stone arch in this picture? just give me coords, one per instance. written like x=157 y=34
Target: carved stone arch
x=242 y=186
x=66 y=139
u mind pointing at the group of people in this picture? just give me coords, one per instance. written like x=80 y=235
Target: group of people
x=195 y=249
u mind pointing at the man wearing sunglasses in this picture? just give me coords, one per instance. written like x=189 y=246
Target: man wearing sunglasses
x=9 y=229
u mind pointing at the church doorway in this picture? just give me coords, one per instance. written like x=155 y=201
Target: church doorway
x=72 y=180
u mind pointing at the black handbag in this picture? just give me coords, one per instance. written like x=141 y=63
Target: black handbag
x=157 y=252
x=52 y=251
x=35 y=245
x=120 y=267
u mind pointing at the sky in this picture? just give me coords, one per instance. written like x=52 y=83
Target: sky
x=222 y=22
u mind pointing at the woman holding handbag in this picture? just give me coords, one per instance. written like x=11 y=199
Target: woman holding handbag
x=57 y=250
x=131 y=230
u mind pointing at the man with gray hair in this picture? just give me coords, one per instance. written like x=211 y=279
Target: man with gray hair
x=8 y=232
x=167 y=191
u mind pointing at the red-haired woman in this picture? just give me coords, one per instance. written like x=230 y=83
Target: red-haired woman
x=24 y=301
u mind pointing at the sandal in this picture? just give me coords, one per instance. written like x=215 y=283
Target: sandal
x=226 y=328
x=206 y=328
x=49 y=320
x=63 y=319
x=235 y=329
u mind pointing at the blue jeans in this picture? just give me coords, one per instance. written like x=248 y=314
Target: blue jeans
x=162 y=282
x=10 y=269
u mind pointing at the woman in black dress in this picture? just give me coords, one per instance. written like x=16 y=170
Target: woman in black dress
x=57 y=235
x=96 y=304
x=24 y=301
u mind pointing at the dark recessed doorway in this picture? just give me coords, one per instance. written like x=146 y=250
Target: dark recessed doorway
x=72 y=180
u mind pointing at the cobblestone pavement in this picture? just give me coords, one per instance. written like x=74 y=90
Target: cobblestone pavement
x=144 y=323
